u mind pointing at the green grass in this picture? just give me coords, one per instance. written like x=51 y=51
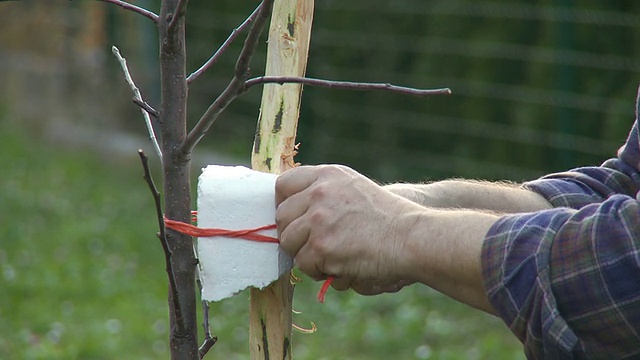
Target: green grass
x=82 y=277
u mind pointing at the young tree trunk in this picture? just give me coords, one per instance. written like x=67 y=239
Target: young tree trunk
x=274 y=148
x=289 y=35
x=176 y=177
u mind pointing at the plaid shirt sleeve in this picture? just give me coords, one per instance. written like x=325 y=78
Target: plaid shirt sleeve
x=567 y=280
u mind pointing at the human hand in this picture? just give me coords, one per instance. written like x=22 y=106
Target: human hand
x=336 y=222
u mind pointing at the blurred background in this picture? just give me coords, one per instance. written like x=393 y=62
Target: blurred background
x=537 y=87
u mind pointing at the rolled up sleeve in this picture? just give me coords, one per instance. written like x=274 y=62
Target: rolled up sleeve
x=567 y=281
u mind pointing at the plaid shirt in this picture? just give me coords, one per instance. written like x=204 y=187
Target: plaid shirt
x=567 y=280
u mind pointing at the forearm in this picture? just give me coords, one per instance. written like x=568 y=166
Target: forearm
x=443 y=251
x=471 y=194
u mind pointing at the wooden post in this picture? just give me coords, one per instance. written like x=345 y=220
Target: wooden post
x=288 y=47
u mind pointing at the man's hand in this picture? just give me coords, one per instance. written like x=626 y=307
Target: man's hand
x=336 y=222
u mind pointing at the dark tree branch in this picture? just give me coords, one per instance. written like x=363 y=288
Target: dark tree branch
x=136 y=9
x=343 y=85
x=214 y=58
x=178 y=15
x=209 y=340
x=237 y=84
x=146 y=107
x=163 y=239
x=251 y=42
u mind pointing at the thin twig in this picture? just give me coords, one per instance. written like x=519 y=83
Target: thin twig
x=136 y=9
x=209 y=340
x=162 y=235
x=177 y=15
x=146 y=107
x=137 y=96
x=344 y=85
x=251 y=42
x=237 y=84
x=225 y=45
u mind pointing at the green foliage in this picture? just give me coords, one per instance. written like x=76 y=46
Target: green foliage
x=82 y=277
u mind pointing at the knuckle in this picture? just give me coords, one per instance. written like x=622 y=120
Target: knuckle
x=318 y=216
x=320 y=191
x=321 y=247
x=336 y=169
x=343 y=169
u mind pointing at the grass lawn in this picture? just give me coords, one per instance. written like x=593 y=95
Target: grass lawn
x=82 y=277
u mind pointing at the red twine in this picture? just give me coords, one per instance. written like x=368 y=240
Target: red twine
x=247 y=234
x=324 y=288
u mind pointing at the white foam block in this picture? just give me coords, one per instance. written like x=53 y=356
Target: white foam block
x=236 y=198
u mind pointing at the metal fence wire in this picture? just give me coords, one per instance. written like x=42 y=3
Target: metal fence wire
x=537 y=86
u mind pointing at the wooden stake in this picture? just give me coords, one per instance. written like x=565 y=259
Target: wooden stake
x=288 y=47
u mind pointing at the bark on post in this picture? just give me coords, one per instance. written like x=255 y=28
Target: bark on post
x=288 y=46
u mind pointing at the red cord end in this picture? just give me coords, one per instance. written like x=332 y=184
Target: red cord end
x=324 y=288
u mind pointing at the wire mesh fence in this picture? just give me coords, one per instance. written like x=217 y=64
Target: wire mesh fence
x=537 y=87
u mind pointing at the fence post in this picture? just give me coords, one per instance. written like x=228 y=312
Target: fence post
x=288 y=46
